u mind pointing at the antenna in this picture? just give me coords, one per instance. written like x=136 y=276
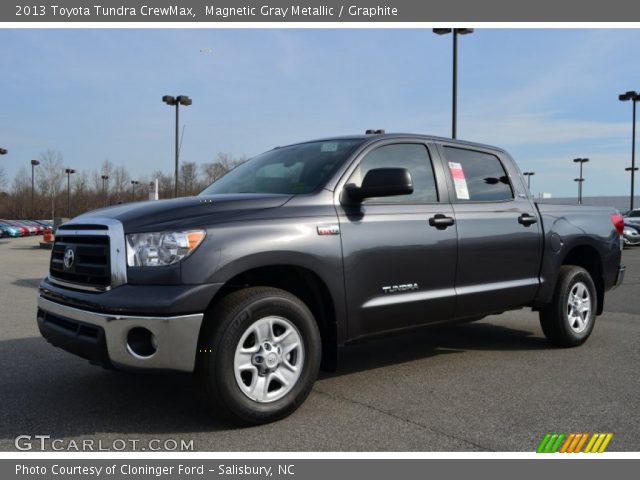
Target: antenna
x=181 y=137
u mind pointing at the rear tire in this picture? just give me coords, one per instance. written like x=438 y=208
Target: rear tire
x=259 y=355
x=568 y=320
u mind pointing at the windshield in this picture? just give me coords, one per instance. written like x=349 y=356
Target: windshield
x=296 y=169
x=634 y=213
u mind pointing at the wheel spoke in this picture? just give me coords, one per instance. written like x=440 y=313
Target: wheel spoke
x=263 y=330
x=281 y=338
x=290 y=348
x=289 y=342
x=289 y=367
x=576 y=291
x=258 y=387
x=245 y=355
x=286 y=376
x=585 y=293
x=243 y=359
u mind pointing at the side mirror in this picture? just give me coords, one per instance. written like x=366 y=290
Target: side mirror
x=381 y=182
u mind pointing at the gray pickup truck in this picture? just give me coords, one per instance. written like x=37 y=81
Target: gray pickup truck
x=256 y=282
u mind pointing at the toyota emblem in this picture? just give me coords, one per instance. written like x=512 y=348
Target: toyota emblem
x=69 y=257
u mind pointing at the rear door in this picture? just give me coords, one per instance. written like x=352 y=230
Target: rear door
x=499 y=234
x=399 y=269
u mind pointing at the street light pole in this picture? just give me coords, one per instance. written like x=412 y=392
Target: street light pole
x=69 y=172
x=34 y=163
x=581 y=161
x=634 y=97
x=454 y=93
x=528 y=175
x=133 y=188
x=177 y=101
x=104 y=187
x=633 y=153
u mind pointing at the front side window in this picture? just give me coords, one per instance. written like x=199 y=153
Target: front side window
x=477 y=176
x=413 y=157
x=296 y=169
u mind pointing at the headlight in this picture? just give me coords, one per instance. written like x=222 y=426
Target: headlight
x=629 y=231
x=160 y=249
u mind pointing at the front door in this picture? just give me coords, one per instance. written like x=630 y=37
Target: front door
x=399 y=252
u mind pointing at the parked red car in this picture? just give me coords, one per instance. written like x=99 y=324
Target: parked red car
x=30 y=223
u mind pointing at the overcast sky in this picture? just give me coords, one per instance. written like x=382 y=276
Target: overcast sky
x=547 y=96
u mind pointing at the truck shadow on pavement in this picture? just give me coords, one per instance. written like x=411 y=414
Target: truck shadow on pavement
x=44 y=390
x=32 y=283
x=26 y=247
x=431 y=341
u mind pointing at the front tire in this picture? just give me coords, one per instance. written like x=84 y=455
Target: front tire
x=569 y=318
x=259 y=355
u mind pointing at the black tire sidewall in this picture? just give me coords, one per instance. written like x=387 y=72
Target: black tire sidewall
x=271 y=304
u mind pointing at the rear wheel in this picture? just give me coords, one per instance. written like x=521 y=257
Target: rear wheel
x=259 y=355
x=570 y=317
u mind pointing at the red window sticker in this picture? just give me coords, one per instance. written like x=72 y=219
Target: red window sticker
x=459 y=181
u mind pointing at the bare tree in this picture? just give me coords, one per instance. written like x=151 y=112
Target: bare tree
x=221 y=165
x=50 y=177
x=20 y=191
x=87 y=186
x=3 y=178
x=99 y=185
x=83 y=197
x=189 y=178
x=107 y=167
x=165 y=183
x=212 y=172
x=120 y=183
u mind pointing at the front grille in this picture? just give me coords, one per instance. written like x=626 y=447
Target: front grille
x=91 y=262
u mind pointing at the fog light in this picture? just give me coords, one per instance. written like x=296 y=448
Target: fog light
x=141 y=342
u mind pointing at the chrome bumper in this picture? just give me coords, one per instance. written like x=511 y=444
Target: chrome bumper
x=176 y=337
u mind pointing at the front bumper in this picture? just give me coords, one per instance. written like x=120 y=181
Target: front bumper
x=105 y=338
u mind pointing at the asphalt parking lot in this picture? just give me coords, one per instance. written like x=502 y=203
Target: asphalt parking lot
x=494 y=385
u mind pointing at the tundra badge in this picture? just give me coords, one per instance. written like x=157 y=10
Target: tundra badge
x=405 y=287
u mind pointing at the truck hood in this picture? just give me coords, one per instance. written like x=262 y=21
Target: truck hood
x=187 y=212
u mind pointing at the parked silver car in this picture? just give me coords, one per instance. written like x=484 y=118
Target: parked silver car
x=632 y=216
x=631 y=235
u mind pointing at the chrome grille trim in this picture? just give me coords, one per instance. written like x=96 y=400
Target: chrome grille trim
x=78 y=286
x=117 y=249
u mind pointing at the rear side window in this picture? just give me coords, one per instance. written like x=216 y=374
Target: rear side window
x=413 y=157
x=477 y=176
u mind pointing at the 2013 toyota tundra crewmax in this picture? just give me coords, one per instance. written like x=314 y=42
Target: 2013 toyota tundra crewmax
x=309 y=247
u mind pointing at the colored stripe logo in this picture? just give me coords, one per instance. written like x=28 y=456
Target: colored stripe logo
x=574 y=443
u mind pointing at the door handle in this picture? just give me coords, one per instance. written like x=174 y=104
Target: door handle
x=441 y=221
x=527 y=220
